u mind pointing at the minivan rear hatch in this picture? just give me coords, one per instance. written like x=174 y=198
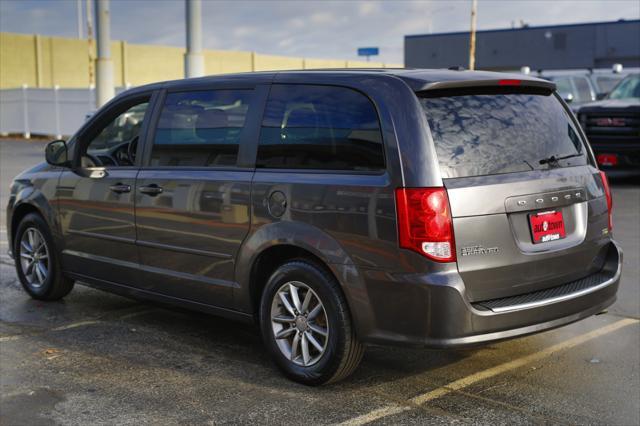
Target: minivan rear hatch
x=527 y=204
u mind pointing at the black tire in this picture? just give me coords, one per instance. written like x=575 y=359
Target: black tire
x=55 y=286
x=342 y=350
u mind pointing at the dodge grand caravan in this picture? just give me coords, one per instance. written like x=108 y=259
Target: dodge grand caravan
x=334 y=208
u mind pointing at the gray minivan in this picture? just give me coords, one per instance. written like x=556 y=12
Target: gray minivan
x=335 y=208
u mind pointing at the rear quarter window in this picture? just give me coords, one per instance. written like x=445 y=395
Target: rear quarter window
x=320 y=127
x=487 y=134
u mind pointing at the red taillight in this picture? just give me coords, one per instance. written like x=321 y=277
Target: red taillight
x=607 y=193
x=424 y=222
x=509 y=82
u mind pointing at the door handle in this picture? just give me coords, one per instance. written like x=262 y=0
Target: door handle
x=152 y=189
x=120 y=188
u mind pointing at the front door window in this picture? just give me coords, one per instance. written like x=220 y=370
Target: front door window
x=116 y=143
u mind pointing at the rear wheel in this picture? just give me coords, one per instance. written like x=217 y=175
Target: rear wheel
x=37 y=262
x=306 y=325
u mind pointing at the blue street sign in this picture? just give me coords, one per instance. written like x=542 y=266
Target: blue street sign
x=368 y=51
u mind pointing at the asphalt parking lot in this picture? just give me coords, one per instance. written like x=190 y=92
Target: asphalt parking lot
x=97 y=358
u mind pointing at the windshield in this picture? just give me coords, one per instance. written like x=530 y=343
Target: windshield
x=501 y=133
x=627 y=89
x=607 y=83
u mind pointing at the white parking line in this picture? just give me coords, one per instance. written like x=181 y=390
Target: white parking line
x=75 y=325
x=393 y=409
x=61 y=328
x=10 y=338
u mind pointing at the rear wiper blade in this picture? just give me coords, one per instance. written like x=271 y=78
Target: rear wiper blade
x=553 y=159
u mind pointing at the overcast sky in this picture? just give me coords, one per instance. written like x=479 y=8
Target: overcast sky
x=322 y=29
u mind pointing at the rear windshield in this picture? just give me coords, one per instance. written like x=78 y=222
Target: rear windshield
x=486 y=134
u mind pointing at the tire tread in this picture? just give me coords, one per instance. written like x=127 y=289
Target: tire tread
x=60 y=285
x=353 y=349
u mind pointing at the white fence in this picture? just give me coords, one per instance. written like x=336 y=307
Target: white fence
x=58 y=112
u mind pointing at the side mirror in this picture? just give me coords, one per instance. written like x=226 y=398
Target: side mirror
x=601 y=96
x=56 y=154
x=567 y=96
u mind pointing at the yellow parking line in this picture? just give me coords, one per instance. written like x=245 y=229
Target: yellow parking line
x=488 y=373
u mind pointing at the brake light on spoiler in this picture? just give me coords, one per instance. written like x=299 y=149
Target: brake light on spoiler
x=424 y=222
x=509 y=82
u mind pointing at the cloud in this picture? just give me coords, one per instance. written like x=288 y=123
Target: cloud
x=286 y=42
x=321 y=29
x=244 y=31
x=296 y=23
x=323 y=18
x=366 y=8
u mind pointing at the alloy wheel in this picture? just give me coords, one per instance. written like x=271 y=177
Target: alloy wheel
x=299 y=323
x=34 y=257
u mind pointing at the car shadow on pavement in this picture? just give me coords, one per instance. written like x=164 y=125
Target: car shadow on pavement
x=154 y=338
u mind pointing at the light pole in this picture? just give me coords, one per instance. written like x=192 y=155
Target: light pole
x=79 y=17
x=194 y=59
x=92 y=81
x=104 y=66
x=472 y=35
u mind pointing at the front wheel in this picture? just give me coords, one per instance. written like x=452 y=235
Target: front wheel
x=306 y=325
x=36 y=259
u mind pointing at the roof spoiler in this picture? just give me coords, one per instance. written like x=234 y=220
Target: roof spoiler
x=526 y=83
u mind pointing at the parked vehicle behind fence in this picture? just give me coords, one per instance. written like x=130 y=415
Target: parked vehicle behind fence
x=336 y=209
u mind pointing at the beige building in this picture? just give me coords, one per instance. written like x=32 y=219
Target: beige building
x=40 y=61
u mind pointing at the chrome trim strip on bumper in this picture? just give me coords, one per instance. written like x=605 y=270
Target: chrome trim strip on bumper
x=563 y=298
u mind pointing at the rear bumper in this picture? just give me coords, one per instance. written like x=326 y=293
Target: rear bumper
x=432 y=310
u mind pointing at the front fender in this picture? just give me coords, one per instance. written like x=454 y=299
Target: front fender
x=317 y=242
x=35 y=193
